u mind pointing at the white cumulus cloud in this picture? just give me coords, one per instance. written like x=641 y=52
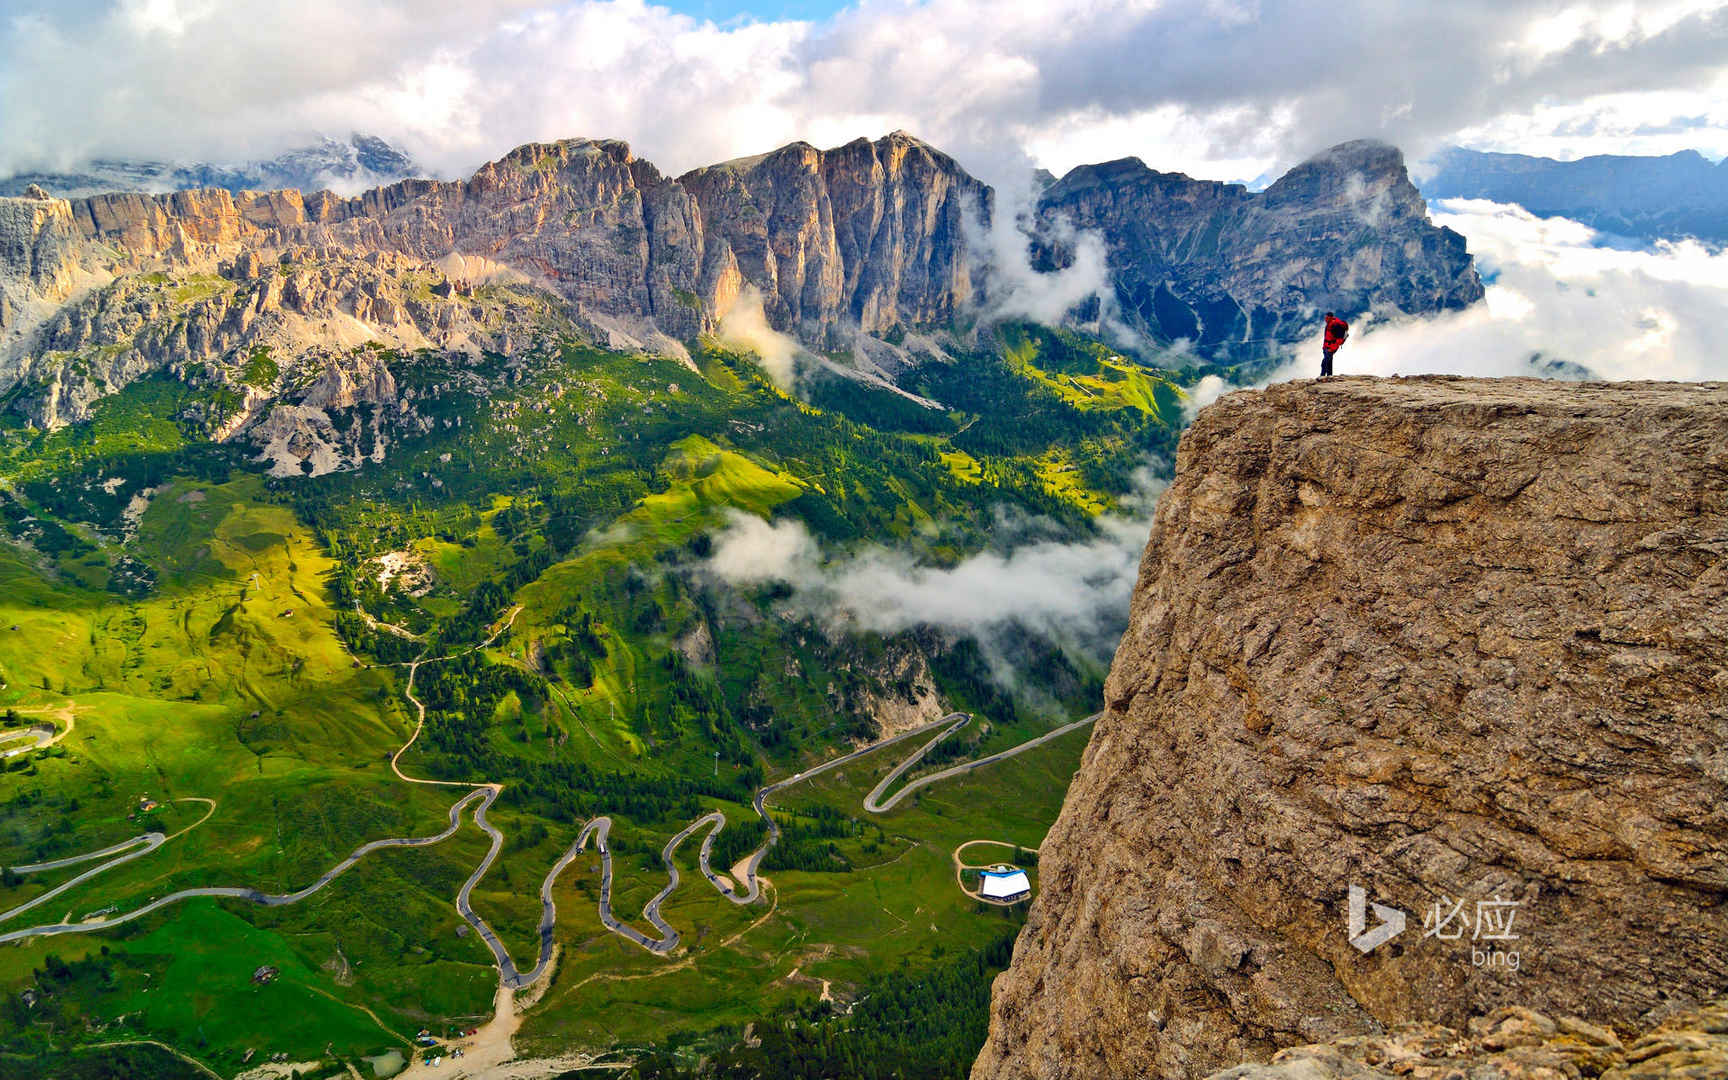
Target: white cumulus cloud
x=1074 y=592
x=1557 y=294
x=1220 y=88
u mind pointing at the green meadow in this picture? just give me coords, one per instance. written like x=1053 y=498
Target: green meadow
x=225 y=657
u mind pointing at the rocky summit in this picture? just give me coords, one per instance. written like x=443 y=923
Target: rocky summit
x=850 y=250
x=1236 y=271
x=1446 y=652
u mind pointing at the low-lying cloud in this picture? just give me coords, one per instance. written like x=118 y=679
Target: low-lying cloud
x=1560 y=298
x=1075 y=593
x=1002 y=253
x=745 y=327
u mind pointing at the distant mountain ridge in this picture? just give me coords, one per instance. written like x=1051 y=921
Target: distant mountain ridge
x=358 y=162
x=1680 y=195
x=850 y=250
x=1237 y=272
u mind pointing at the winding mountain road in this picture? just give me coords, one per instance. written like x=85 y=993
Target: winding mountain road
x=152 y=841
x=481 y=797
x=873 y=801
x=125 y=852
x=41 y=736
x=45 y=735
x=716 y=821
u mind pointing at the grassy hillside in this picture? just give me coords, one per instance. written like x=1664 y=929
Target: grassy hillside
x=223 y=656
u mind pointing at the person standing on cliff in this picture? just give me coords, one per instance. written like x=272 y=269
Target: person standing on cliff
x=1336 y=331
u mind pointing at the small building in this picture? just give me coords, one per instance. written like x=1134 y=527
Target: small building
x=264 y=974
x=1004 y=884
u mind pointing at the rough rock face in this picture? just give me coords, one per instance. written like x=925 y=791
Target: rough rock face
x=301 y=305
x=1459 y=643
x=1513 y=1044
x=1233 y=271
x=868 y=233
x=39 y=254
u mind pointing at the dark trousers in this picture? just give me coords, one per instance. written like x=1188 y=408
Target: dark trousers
x=1326 y=362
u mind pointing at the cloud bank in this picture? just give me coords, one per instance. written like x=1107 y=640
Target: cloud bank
x=1559 y=298
x=1221 y=88
x=1018 y=290
x=745 y=327
x=1075 y=593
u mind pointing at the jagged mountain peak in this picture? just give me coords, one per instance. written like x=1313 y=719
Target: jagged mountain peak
x=1126 y=171
x=1345 y=230
x=862 y=238
x=533 y=153
x=1359 y=153
x=1360 y=171
x=895 y=145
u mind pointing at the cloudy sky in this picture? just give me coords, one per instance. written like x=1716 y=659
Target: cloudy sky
x=1226 y=89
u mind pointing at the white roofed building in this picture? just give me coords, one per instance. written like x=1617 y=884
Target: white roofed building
x=1004 y=884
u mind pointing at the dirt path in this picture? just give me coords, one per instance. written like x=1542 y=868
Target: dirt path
x=389 y=628
x=961 y=867
x=382 y=1026
x=420 y=708
x=45 y=735
x=211 y=809
x=187 y=1058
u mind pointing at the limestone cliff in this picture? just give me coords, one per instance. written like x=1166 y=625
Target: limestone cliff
x=1457 y=643
x=871 y=234
x=1235 y=271
x=40 y=261
x=850 y=249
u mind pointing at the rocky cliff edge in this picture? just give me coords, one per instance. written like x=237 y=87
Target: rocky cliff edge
x=1461 y=645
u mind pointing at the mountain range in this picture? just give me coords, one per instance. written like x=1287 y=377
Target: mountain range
x=1680 y=195
x=683 y=510
x=848 y=250
x=352 y=164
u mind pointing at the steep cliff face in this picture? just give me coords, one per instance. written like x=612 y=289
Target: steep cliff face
x=1234 y=271
x=869 y=233
x=584 y=218
x=39 y=256
x=304 y=307
x=1458 y=643
x=870 y=238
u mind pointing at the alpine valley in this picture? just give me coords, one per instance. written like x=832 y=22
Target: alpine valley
x=397 y=589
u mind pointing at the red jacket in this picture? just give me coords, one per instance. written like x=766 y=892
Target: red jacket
x=1336 y=331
